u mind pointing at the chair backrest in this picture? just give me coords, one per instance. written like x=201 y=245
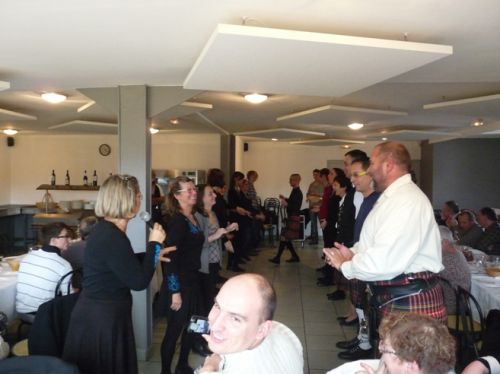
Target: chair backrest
x=58 y=291
x=472 y=332
x=451 y=291
x=271 y=208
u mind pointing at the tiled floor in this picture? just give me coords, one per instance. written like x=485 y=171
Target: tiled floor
x=302 y=306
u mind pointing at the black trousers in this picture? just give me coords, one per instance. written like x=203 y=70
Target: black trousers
x=177 y=322
x=209 y=287
x=286 y=244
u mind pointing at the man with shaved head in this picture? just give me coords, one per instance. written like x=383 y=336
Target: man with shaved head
x=243 y=336
x=399 y=250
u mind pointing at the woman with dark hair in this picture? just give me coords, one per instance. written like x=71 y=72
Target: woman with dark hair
x=100 y=337
x=211 y=254
x=240 y=212
x=181 y=287
x=345 y=232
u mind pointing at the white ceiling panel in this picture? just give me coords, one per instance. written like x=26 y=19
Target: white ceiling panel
x=481 y=106
x=84 y=127
x=336 y=114
x=415 y=135
x=280 y=134
x=256 y=59
x=10 y=115
x=327 y=142
x=185 y=109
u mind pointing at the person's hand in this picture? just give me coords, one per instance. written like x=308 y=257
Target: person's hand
x=220 y=231
x=346 y=252
x=211 y=363
x=323 y=223
x=164 y=252
x=232 y=227
x=229 y=246
x=367 y=369
x=176 y=301
x=333 y=257
x=157 y=234
x=260 y=216
x=242 y=212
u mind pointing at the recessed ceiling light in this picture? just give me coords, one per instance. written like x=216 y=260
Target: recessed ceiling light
x=153 y=131
x=355 y=126
x=384 y=139
x=255 y=98
x=53 y=98
x=10 y=132
x=345 y=146
x=477 y=123
x=174 y=121
x=274 y=139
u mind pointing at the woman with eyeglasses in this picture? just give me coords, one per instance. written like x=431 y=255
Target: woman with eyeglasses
x=100 y=337
x=180 y=293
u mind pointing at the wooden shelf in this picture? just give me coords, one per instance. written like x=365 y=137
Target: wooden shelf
x=61 y=187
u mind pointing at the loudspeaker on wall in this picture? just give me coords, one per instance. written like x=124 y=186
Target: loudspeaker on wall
x=10 y=141
x=245 y=147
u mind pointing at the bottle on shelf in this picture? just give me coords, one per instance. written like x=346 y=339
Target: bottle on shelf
x=85 y=178
x=53 y=178
x=67 y=180
x=94 y=179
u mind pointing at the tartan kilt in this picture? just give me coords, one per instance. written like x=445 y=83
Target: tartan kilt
x=291 y=231
x=341 y=281
x=357 y=292
x=429 y=302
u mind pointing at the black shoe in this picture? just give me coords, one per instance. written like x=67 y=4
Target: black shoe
x=184 y=370
x=293 y=259
x=356 y=353
x=348 y=344
x=337 y=295
x=324 y=282
x=322 y=268
x=237 y=269
x=275 y=260
x=352 y=322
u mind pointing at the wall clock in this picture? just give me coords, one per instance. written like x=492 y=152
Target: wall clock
x=104 y=149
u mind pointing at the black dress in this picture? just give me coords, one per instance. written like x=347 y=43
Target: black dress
x=181 y=276
x=100 y=336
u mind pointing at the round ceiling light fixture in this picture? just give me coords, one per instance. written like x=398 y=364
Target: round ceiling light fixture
x=477 y=123
x=174 y=121
x=274 y=139
x=384 y=139
x=153 y=131
x=345 y=146
x=355 y=126
x=53 y=98
x=10 y=132
x=255 y=98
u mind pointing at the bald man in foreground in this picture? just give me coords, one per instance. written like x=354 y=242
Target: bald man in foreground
x=399 y=250
x=243 y=336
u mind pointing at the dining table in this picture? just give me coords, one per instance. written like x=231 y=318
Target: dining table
x=8 y=282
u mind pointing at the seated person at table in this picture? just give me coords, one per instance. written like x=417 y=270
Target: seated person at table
x=410 y=344
x=468 y=232
x=243 y=337
x=75 y=251
x=490 y=241
x=41 y=270
x=449 y=215
x=456 y=271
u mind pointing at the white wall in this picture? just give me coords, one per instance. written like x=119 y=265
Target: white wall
x=275 y=161
x=34 y=156
x=4 y=170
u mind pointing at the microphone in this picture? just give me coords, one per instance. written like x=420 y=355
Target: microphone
x=146 y=217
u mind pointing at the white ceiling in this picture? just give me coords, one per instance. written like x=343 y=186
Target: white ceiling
x=64 y=46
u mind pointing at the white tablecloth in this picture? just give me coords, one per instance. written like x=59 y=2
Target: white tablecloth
x=486 y=290
x=8 y=281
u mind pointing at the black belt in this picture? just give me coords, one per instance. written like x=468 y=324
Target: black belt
x=415 y=285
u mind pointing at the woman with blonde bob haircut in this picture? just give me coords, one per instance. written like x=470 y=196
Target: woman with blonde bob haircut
x=100 y=337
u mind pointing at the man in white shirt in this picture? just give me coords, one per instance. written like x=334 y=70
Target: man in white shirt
x=399 y=250
x=243 y=336
x=41 y=270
